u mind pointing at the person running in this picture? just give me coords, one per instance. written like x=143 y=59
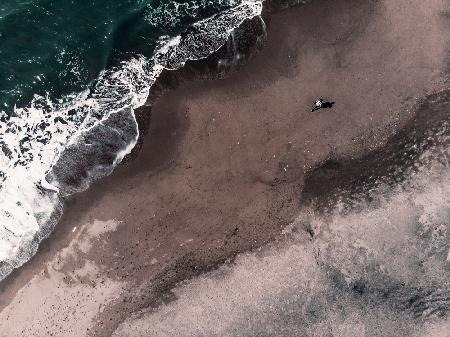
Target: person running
x=320 y=103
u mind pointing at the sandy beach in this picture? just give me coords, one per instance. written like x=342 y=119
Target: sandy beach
x=222 y=170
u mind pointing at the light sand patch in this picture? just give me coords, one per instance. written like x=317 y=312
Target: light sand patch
x=63 y=301
x=85 y=237
x=376 y=272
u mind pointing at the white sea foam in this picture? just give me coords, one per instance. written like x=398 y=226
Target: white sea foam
x=37 y=137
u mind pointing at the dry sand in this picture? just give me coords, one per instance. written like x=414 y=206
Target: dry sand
x=222 y=168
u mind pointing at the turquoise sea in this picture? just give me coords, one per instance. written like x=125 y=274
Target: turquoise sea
x=57 y=47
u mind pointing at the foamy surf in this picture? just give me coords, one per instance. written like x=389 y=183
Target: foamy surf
x=52 y=149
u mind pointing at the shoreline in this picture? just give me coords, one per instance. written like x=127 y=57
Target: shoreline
x=248 y=33
x=239 y=49
x=108 y=133
x=171 y=176
x=245 y=39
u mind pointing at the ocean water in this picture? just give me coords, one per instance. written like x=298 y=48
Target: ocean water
x=71 y=74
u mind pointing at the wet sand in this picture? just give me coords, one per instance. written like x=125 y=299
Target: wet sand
x=223 y=165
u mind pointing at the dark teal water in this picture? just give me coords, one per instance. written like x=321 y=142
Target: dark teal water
x=57 y=47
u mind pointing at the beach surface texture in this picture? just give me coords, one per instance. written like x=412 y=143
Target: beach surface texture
x=242 y=213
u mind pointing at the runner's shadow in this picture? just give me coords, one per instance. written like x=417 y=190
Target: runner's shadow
x=327 y=104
